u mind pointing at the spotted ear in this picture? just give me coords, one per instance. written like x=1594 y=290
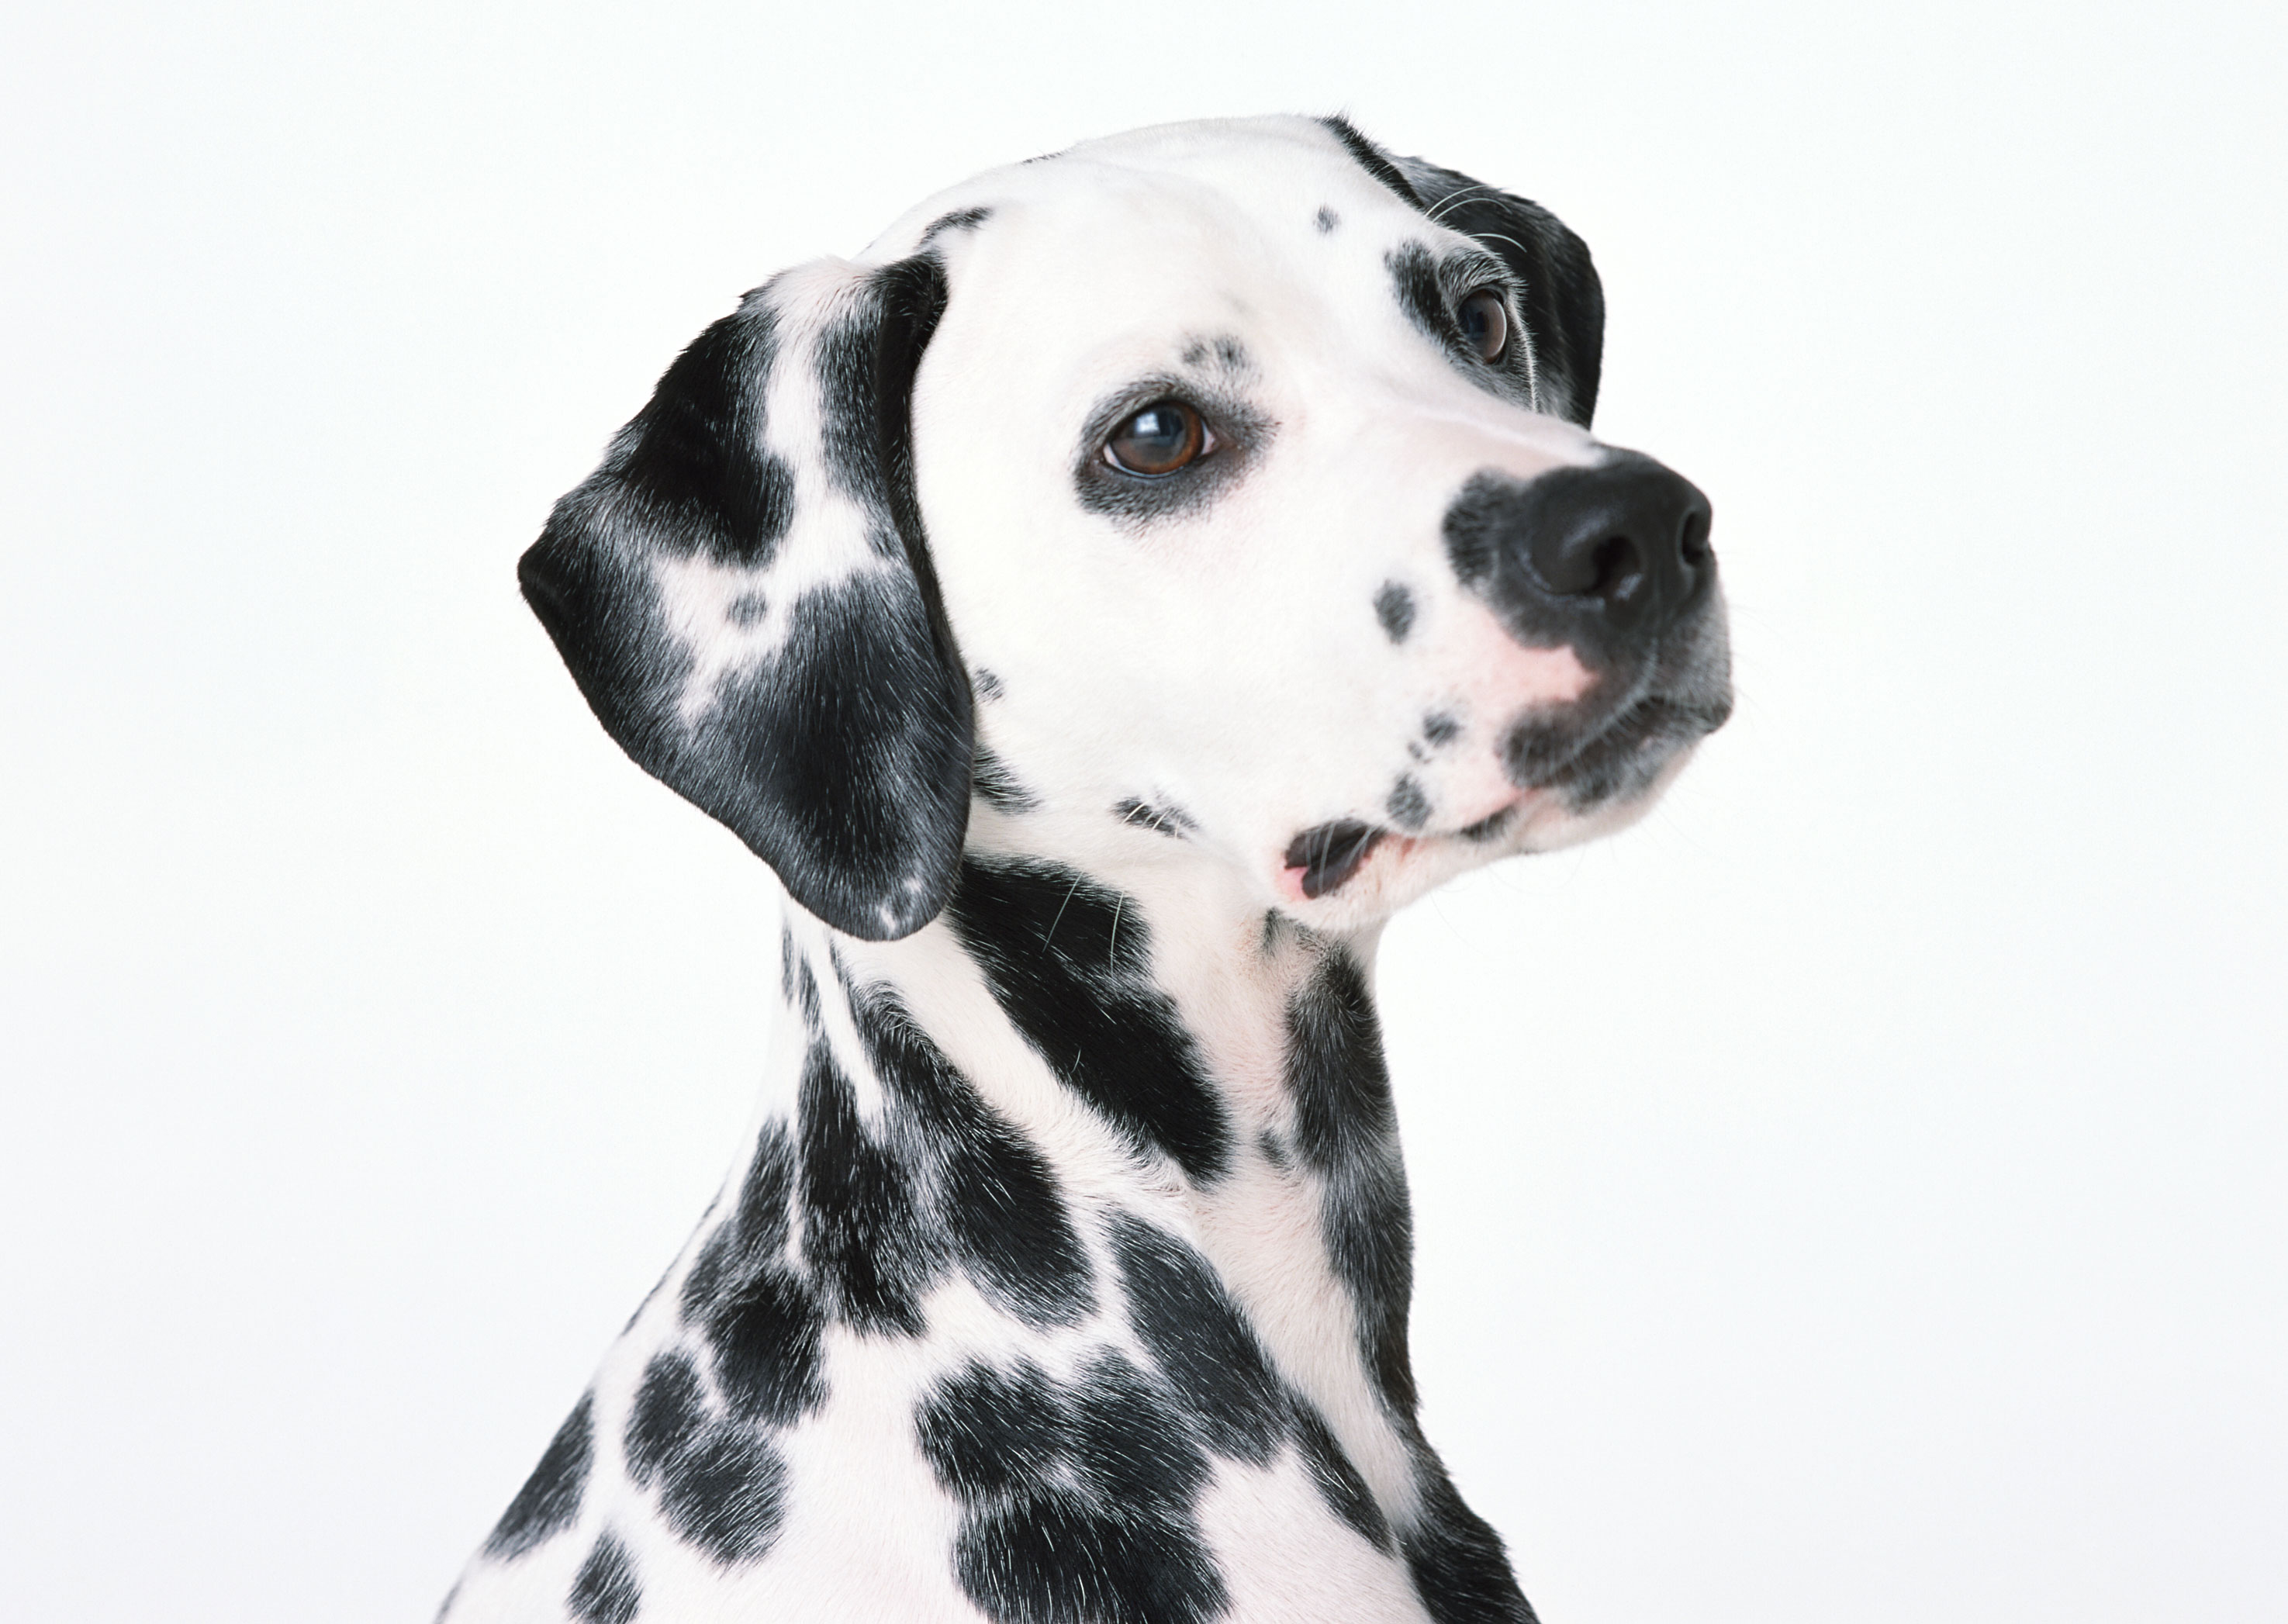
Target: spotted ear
x=743 y=592
x=1564 y=302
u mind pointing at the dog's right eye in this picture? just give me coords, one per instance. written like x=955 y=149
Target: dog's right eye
x=1165 y=436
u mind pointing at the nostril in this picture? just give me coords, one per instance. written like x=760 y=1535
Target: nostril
x=1620 y=570
x=1693 y=544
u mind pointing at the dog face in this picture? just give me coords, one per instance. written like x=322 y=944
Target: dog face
x=1223 y=484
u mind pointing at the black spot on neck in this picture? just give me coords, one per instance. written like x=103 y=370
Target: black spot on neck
x=1393 y=606
x=605 y=1590
x=1069 y=962
x=1346 y=1127
x=865 y=1240
x=550 y=1499
x=721 y=1483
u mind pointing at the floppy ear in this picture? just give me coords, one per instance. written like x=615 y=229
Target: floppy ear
x=1564 y=302
x=743 y=592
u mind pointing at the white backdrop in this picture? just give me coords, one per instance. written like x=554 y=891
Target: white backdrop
x=1855 y=1195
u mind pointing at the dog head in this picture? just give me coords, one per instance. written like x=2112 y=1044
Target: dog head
x=1222 y=490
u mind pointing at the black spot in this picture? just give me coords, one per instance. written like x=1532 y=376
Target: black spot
x=1338 y=1481
x=988 y=686
x=842 y=760
x=1460 y=1571
x=1275 y=1151
x=997 y=1205
x=1231 y=355
x=997 y=786
x=1330 y=853
x=1408 y=807
x=1050 y=1556
x=767 y=1339
x=550 y=1498
x=669 y=1412
x=1172 y=821
x=1346 y=1127
x=1130 y=1449
x=985 y=1432
x=1393 y=606
x=725 y=1493
x=1372 y=159
x=749 y=609
x=862 y=1238
x=1195 y=1334
x=605 y=1591
x=1439 y=728
x=1491 y=827
x=1326 y=220
x=1069 y=962
x=960 y=219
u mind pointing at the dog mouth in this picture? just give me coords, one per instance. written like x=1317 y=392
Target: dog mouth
x=1615 y=762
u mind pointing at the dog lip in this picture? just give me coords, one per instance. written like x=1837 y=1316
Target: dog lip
x=1326 y=855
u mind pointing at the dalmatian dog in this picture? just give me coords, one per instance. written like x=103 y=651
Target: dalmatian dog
x=1100 y=605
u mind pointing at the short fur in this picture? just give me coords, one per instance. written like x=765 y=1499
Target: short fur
x=1065 y=1273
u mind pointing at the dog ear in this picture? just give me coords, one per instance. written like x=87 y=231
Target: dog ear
x=743 y=592
x=1564 y=302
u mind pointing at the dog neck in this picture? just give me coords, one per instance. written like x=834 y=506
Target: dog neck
x=1118 y=1129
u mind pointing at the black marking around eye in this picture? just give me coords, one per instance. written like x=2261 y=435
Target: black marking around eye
x=998 y=787
x=1069 y=962
x=550 y=1498
x=1409 y=806
x=1326 y=220
x=1241 y=432
x=1172 y=821
x=1393 y=606
x=605 y=1590
x=1439 y=728
x=1346 y=1127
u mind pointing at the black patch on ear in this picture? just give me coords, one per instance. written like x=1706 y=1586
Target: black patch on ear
x=998 y=1203
x=605 y=1590
x=550 y=1498
x=1562 y=300
x=997 y=786
x=1393 y=606
x=1069 y=960
x=843 y=759
x=1346 y=1127
x=1372 y=159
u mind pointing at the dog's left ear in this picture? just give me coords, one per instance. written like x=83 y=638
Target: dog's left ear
x=743 y=592
x=1564 y=301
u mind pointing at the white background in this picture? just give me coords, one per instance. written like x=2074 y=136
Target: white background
x=1855 y=1195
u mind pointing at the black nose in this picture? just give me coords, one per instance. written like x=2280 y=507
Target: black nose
x=1618 y=553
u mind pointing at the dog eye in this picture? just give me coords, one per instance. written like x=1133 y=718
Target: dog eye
x=1485 y=323
x=1165 y=436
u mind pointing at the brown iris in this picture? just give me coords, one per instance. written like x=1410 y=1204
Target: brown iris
x=1165 y=436
x=1485 y=323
